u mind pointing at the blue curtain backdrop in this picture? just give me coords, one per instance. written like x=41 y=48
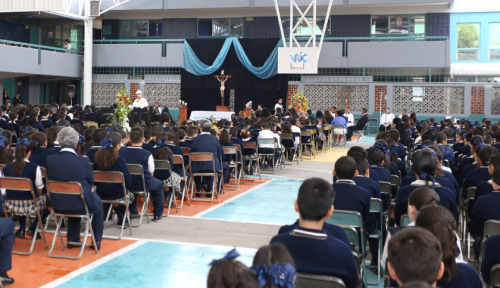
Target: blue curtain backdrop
x=203 y=92
x=193 y=65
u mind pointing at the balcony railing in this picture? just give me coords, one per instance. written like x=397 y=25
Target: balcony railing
x=39 y=47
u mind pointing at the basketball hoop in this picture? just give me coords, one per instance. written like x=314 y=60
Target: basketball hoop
x=294 y=58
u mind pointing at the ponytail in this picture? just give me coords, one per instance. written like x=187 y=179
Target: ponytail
x=22 y=149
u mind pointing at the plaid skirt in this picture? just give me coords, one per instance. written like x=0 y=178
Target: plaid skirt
x=174 y=179
x=130 y=198
x=26 y=207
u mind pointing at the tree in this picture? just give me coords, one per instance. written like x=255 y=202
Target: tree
x=468 y=36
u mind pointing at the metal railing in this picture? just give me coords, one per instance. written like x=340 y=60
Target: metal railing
x=38 y=47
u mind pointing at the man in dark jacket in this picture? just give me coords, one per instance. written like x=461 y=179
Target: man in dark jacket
x=359 y=125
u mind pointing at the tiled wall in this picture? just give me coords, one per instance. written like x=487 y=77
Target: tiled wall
x=14 y=31
x=436 y=100
x=104 y=94
x=378 y=105
x=495 y=101
x=437 y=24
x=180 y=28
x=477 y=100
x=323 y=97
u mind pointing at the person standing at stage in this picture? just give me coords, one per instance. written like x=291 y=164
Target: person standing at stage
x=350 y=117
x=386 y=120
x=140 y=108
x=17 y=100
x=279 y=105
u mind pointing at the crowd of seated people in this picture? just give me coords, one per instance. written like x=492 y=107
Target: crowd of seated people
x=432 y=161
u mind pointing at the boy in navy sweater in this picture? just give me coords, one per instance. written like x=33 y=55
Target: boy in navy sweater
x=325 y=255
x=486 y=208
x=134 y=154
x=415 y=255
x=351 y=197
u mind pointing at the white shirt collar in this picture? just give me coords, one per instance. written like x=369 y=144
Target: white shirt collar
x=68 y=150
x=424 y=183
x=135 y=147
x=345 y=181
x=203 y=133
x=309 y=233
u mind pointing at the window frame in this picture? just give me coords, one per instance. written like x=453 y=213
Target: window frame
x=133 y=29
x=229 y=27
x=409 y=34
x=478 y=49
x=489 y=43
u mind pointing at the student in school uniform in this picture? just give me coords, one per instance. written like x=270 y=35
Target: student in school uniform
x=68 y=166
x=425 y=168
x=496 y=135
x=415 y=255
x=378 y=163
x=486 y=187
x=441 y=140
x=363 y=180
x=208 y=143
x=107 y=159
x=180 y=139
x=359 y=153
x=397 y=167
x=326 y=254
x=147 y=138
x=480 y=173
x=351 y=197
x=76 y=119
x=7 y=229
x=442 y=224
x=486 y=208
x=134 y=154
x=46 y=121
x=22 y=202
x=40 y=152
x=97 y=137
x=491 y=256
x=192 y=132
x=266 y=133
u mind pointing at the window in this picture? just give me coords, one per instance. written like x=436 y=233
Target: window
x=220 y=27
x=398 y=25
x=140 y=29
x=494 y=41
x=468 y=42
x=303 y=28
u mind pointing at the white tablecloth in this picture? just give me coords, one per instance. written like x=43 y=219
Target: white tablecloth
x=198 y=115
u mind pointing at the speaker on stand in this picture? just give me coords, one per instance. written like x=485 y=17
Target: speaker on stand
x=71 y=93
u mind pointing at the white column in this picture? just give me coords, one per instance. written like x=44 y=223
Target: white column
x=87 y=62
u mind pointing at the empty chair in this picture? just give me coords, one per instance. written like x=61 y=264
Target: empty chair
x=318 y=281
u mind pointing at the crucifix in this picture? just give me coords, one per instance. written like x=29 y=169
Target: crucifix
x=222 y=79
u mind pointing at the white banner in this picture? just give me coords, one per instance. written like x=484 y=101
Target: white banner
x=297 y=60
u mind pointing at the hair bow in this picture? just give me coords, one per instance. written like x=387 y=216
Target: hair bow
x=261 y=273
x=286 y=122
x=426 y=175
x=30 y=116
x=393 y=150
x=141 y=127
x=109 y=129
x=481 y=145
x=381 y=147
x=231 y=255
x=2 y=141
x=81 y=139
x=26 y=130
x=282 y=275
x=34 y=142
x=463 y=135
x=107 y=143
x=24 y=141
x=162 y=143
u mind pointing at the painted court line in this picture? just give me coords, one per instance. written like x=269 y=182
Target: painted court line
x=94 y=264
x=185 y=243
x=224 y=220
x=231 y=199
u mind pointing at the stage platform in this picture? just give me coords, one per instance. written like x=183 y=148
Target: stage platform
x=199 y=115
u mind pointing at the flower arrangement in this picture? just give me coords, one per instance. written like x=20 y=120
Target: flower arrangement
x=300 y=102
x=182 y=104
x=248 y=105
x=120 y=117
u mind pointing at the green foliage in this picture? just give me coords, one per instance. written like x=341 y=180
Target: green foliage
x=468 y=36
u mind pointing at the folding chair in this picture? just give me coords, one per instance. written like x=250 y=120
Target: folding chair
x=232 y=150
x=318 y=281
x=103 y=125
x=310 y=144
x=253 y=145
x=351 y=219
x=333 y=127
x=289 y=137
x=18 y=185
x=185 y=152
x=179 y=160
x=495 y=277
x=137 y=170
x=90 y=124
x=395 y=184
x=471 y=191
x=114 y=177
x=203 y=157
x=405 y=220
x=491 y=227
x=164 y=165
x=376 y=206
x=362 y=133
x=313 y=140
x=239 y=163
x=75 y=189
x=266 y=141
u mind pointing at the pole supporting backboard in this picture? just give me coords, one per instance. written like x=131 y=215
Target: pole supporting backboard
x=301 y=54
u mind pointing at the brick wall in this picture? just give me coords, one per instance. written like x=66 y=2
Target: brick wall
x=477 y=100
x=133 y=88
x=379 y=89
x=292 y=89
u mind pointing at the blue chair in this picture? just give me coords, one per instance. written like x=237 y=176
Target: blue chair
x=376 y=206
